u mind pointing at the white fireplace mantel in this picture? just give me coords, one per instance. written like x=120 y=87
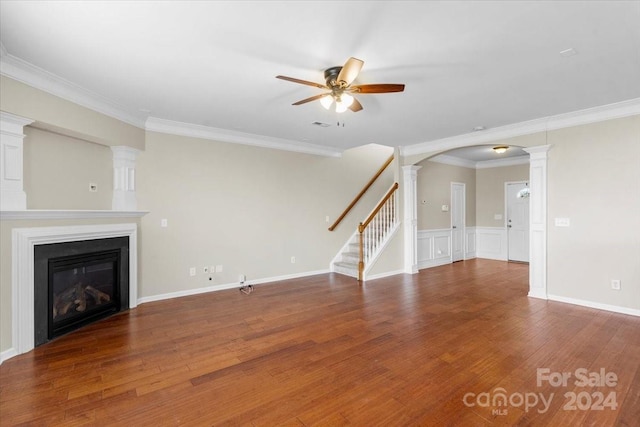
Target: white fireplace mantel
x=22 y=271
x=40 y=214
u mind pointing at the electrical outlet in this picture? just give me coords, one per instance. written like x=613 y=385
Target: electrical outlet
x=326 y=218
x=293 y=260
x=163 y=222
x=218 y=268
x=205 y=270
x=192 y=271
x=615 y=284
x=242 y=278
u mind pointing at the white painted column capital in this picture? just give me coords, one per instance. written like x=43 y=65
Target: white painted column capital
x=409 y=196
x=538 y=220
x=12 y=195
x=124 y=178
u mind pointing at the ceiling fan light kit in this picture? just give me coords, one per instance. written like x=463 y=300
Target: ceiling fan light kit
x=338 y=81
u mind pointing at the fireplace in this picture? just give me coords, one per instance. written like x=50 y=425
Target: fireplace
x=78 y=283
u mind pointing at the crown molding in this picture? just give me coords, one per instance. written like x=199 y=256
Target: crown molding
x=39 y=78
x=486 y=164
x=31 y=75
x=171 y=127
x=617 y=110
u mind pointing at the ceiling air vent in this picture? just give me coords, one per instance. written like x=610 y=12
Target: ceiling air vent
x=322 y=125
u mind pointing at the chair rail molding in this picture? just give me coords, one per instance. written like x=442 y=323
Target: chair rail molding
x=12 y=195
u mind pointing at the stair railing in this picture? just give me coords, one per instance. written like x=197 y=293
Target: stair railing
x=374 y=230
x=361 y=193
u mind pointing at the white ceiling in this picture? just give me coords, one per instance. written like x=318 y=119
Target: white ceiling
x=465 y=64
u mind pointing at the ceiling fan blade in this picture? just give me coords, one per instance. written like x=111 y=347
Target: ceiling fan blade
x=302 y=82
x=312 y=98
x=350 y=70
x=377 y=88
x=355 y=106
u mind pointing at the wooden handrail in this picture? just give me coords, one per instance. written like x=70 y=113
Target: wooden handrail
x=364 y=190
x=366 y=222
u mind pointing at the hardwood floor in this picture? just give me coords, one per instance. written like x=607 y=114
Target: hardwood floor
x=406 y=350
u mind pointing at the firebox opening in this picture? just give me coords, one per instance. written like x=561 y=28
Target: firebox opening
x=78 y=283
x=82 y=289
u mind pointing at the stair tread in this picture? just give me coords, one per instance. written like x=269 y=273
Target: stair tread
x=346 y=264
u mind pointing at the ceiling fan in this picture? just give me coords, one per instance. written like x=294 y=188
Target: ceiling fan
x=339 y=81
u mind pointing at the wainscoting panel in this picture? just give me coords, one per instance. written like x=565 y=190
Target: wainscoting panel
x=434 y=248
x=470 y=243
x=491 y=243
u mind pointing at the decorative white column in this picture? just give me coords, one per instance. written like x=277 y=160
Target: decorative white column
x=538 y=221
x=124 y=178
x=12 y=195
x=409 y=196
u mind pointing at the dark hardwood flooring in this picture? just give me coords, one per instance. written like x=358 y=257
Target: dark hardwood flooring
x=323 y=350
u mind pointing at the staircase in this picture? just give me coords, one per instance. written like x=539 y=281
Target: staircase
x=348 y=258
x=361 y=250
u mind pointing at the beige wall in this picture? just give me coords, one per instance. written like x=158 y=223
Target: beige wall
x=248 y=209
x=58 y=170
x=434 y=187
x=490 y=192
x=64 y=116
x=594 y=180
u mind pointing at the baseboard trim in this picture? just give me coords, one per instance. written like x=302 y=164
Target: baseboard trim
x=537 y=293
x=8 y=354
x=222 y=287
x=383 y=275
x=434 y=263
x=597 y=305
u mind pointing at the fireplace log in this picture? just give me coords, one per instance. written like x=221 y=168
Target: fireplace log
x=97 y=295
x=77 y=297
x=81 y=298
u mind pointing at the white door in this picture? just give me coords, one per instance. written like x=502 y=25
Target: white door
x=518 y=221
x=457 y=221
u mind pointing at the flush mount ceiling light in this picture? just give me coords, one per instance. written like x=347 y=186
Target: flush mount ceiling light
x=501 y=149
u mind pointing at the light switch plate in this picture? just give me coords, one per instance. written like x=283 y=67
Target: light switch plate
x=562 y=222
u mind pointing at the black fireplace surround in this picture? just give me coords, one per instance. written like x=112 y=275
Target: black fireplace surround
x=77 y=283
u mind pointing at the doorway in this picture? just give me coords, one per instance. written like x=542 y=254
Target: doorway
x=517 y=214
